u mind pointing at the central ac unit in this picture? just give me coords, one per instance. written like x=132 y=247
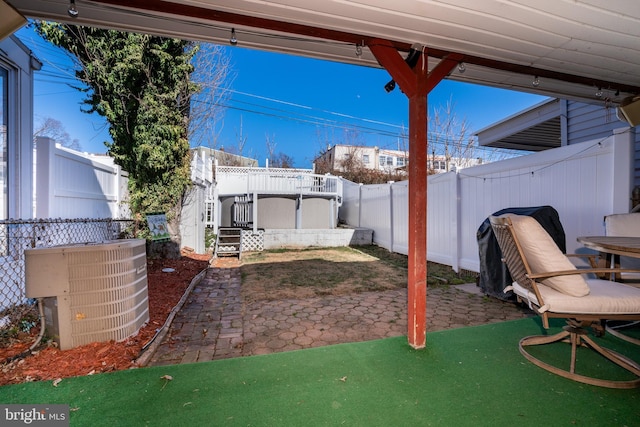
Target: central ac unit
x=92 y=292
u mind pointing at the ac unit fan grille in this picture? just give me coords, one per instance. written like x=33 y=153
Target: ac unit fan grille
x=95 y=292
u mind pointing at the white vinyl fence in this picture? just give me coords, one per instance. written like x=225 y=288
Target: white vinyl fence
x=70 y=184
x=583 y=182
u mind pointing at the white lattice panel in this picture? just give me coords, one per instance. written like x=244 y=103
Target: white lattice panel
x=252 y=242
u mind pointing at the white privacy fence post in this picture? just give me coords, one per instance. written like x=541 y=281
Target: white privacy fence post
x=455 y=222
x=360 y=205
x=44 y=180
x=391 y=219
x=622 y=170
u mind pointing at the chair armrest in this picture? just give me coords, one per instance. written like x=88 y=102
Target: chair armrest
x=582 y=255
x=549 y=274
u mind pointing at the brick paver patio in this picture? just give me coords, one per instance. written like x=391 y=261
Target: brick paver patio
x=214 y=323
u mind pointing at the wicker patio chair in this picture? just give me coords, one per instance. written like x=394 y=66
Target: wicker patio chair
x=555 y=288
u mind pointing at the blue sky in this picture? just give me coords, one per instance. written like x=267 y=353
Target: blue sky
x=300 y=104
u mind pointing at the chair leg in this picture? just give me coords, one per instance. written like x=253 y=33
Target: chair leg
x=577 y=337
x=574 y=345
x=615 y=330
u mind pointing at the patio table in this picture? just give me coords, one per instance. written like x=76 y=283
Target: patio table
x=615 y=245
x=620 y=246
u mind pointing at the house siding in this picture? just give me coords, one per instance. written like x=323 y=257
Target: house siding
x=586 y=122
x=590 y=121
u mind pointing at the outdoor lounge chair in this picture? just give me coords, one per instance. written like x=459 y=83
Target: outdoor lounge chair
x=627 y=224
x=555 y=288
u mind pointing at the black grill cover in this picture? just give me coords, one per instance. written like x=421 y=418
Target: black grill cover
x=494 y=276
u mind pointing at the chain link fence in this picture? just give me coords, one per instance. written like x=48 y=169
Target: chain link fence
x=18 y=314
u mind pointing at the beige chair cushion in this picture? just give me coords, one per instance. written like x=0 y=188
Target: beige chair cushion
x=627 y=225
x=622 y=225
x=543 y=255
x=606 y=297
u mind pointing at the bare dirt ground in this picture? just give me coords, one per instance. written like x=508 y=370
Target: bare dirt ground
x=300 y=274
x=308 y=273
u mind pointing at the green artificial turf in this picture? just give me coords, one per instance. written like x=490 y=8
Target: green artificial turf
x=471 y=376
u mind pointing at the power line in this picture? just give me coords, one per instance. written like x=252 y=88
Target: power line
x=343 y=115
x=305 y=118
x=320 y=121
x=336 y=120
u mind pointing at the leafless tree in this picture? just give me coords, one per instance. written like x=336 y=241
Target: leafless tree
x=235 y=155
x=450 y=139
x=241 y=139
x=213 y=75
x=281 y=160
x=277 y=159
x=352 y=160
x=55 y=130
x=270 y=145
x=321 y=163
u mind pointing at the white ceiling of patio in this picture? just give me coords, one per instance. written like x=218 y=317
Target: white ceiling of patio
x=587 y=50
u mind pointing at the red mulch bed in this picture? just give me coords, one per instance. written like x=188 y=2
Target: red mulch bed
x=50 y=363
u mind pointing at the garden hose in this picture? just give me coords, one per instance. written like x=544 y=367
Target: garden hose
x=38 y=339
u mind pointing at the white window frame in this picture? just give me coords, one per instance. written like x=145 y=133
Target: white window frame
x=4 y=181
x=20 y=65
x=11 y=135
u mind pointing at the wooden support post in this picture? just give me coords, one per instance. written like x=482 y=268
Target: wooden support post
x=417 y=274
x=416 y=83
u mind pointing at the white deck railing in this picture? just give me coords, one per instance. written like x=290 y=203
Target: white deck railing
x=232 y=180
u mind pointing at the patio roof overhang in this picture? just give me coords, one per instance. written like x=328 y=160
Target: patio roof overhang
x=574 y=48
x=570 y=50
x=535 y=129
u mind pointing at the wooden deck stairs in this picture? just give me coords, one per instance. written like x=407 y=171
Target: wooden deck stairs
x=229 y=242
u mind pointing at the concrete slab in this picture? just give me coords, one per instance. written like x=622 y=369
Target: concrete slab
x=304 y=238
